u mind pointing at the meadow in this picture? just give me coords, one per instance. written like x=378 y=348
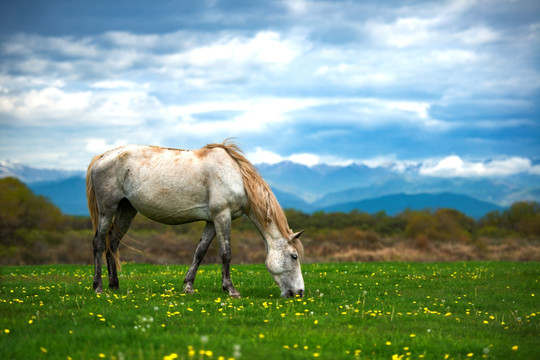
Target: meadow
x=458 y=310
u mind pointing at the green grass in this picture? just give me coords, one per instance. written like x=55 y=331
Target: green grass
x=350 y=311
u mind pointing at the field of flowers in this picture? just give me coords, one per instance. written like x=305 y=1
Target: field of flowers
x=464 y=310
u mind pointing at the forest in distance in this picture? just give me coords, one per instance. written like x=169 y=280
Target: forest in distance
x=35 y=231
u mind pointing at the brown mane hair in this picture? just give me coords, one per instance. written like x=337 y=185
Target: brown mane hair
x=261 y=198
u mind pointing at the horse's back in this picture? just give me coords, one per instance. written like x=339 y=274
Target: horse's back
x=170 y=185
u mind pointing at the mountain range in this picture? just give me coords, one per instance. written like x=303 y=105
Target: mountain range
x=328 y=188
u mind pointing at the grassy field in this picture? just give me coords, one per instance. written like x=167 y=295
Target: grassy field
x=462 y=310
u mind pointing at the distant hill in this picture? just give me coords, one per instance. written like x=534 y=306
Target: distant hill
x=394 y=204
x=68 y=194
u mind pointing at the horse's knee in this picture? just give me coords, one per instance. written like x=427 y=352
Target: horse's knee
x=99 y=244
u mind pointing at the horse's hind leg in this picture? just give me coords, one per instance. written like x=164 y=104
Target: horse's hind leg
x=208 y=235
x=222 y=223
x=104 y=223
x=122 y=220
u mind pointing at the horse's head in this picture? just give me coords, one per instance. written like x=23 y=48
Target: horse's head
x=283 y=262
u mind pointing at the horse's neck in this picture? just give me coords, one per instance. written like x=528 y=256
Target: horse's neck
x=271 y=235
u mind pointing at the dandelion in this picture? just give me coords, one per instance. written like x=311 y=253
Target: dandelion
x=43 y=350
x=170 y=356
x=412 y=335
x=388 y=343
x=101 y=355
x=261 y=336
x=470 y=354
x=6 y=331
x=515 y=347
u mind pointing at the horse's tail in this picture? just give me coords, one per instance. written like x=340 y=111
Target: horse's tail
x=94 y=211
x=91 y=195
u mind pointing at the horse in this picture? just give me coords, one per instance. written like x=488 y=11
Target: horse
x=215 y=184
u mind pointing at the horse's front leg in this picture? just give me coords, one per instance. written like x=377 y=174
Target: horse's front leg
x=208 y=235
x=223 y=229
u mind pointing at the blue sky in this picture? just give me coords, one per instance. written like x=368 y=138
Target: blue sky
x=452 y=86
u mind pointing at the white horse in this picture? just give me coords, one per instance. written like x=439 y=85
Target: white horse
x=215 y=184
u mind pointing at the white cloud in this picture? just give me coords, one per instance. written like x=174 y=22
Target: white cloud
x=53 y=106
x=305 y=159
x=404 y=32
x=247 y=115
x=24 y=44
x=117 y=84
x=454 y=166
x=354 y=75
x=231 y=58
x=478 y=35
x=452 y=57
x=99 y=146
x=261 y=156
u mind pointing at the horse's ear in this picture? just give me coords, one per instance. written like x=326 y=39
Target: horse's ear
x=297 y=235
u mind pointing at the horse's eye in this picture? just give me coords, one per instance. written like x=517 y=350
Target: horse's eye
x=294 y=256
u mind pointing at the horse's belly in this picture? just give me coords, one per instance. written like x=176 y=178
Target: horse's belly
x=173 y=212
x=170 y=205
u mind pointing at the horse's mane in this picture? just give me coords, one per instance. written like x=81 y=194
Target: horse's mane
x=261 y=198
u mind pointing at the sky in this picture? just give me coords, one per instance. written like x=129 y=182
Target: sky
x=451 y=86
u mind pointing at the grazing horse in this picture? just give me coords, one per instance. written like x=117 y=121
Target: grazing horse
x=216 y=184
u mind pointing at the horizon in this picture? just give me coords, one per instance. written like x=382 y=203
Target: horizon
x=492 y=168
x=449 y=86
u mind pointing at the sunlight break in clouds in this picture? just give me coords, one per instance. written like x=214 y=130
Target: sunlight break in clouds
x=454 y=166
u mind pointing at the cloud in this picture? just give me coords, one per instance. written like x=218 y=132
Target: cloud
x=261 y=156
x=320 y=80
x=454 y=166
x=98 y=146
x=404 y=32
x=54 y=106
x=231 y=58
x=117 y=84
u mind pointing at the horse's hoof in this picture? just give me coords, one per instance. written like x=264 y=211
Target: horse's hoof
x=189 y=289
x=98 y=290
x=234 y=294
